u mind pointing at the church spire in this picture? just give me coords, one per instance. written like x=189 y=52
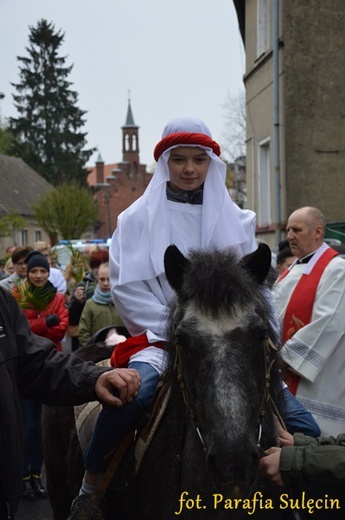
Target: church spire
x=129 y=118
x=130 y=141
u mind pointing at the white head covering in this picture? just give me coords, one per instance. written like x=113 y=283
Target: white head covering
x=143 y=231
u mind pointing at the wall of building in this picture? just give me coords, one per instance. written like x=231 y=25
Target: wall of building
x=30 y=234
x=315 y=105
x=260 y=122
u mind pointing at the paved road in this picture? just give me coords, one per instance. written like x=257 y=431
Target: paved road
x=35 y=510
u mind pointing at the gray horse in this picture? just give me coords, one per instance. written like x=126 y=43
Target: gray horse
x=203 y=460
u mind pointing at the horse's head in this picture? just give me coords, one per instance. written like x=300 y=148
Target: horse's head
x=219 y=330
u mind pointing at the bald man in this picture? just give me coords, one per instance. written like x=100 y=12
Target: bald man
x=310 y=298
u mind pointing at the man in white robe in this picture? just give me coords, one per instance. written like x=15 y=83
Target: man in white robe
x=314 y=347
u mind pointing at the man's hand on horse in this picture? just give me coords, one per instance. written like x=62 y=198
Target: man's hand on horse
x=270 y=464
x=123 y=382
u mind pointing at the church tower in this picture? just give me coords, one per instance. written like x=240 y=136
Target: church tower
x=118 y=184
x=130 y=144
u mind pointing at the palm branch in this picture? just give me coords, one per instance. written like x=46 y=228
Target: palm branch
x=79 y=263
x=29 y=297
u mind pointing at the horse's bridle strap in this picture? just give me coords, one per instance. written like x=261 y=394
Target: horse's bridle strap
x=266 y=396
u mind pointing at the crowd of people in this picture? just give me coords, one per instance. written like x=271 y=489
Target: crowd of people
x=54 y=308
x=187 y=204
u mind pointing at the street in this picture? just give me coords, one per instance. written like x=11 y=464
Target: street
x=35 y=509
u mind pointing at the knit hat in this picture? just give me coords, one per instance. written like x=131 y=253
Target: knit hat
x=36 y=259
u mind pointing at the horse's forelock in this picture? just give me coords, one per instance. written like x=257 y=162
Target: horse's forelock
x=215 y=281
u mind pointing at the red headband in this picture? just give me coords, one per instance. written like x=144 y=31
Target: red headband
x=185 y=138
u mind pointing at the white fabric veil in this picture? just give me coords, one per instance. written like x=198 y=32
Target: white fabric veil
x=143 y=231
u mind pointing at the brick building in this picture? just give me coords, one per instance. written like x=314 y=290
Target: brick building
x=118 y=185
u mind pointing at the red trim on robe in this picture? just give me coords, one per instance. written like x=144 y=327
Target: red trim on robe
x=300 y=307
x=123 y=351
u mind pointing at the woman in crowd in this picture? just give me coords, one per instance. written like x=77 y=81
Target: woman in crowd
x=47 y=314
x=99 y=310
x=81 y=292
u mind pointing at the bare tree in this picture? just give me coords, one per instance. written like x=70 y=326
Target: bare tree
x=234 y=136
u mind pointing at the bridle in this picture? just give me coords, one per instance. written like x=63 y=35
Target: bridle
x=184 y=390
x=266 y=395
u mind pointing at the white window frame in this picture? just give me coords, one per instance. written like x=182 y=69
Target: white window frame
x=263 y=33
x=264 y=183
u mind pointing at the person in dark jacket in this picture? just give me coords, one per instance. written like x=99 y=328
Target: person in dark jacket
x=31 y=367
x=313 y=466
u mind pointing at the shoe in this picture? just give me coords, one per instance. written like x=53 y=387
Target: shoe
x=27 y=492
x=88 y=507
x=37 y=487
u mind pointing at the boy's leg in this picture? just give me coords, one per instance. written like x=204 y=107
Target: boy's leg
x=113 y=423
x=296 y=417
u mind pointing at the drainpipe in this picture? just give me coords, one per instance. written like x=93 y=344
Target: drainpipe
x=276 y=118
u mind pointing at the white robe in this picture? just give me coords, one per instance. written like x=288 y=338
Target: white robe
x=316 y=352
x=143 y=304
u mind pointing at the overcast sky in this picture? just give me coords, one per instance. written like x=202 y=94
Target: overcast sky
x=180 y=57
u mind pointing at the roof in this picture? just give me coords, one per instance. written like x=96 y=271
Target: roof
x=20 y=186
x=108 y=171
x=240 y=11
x=129 y=118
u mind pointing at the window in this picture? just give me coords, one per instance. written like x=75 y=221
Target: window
x=134 y=142
x=24 y=237
x=264 y=185
x=263 y=26
x=37 y=236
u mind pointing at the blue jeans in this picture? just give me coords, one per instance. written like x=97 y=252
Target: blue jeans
x=113 y=423
x=296 y=417
x=33 y=444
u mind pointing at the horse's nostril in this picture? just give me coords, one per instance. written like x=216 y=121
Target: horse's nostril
x=233 y=467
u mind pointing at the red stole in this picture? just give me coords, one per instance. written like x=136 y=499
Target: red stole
x=123 y=351
x=299 y=310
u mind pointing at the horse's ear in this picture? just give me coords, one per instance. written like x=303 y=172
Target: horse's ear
x=175 y=264
x=258 y=263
